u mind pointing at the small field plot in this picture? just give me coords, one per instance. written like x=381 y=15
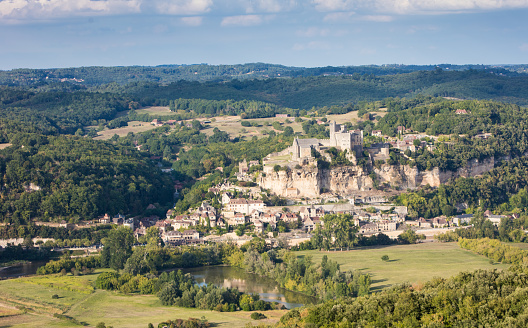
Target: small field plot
x=259 y=127
x=133 y=126
x=4 y=145
x=155 y=110
x=407 y=263
x=350 y=116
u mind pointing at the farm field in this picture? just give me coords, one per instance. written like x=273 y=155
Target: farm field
x=133 y=126
x=78 y=300
x=231 y=125
x=155 y=110
x=407 y=263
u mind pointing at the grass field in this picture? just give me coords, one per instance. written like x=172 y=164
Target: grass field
x=156 y=110
x=28 y=302
x=133 y=126
x=408 y=263
x=231 y=125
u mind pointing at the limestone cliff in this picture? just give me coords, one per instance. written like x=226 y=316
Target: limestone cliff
x=309 y=181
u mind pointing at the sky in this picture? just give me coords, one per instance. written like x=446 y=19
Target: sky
x=305 y=33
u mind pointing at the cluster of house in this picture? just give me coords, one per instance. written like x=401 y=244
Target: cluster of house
x=372 y=223
x=456 y=221
x=119 y=219
x=409 y=142
x=157 y=122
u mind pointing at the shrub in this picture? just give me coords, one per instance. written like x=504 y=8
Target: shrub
x=55 y=297
x=385 y=258
x=107 y=280
x=257 y=316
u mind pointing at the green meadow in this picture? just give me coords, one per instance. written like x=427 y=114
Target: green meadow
x=27 y=302
x=407 y=263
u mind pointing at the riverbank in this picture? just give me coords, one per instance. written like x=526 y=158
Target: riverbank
x=4 y=265
x=18 y=269
x=114 y=308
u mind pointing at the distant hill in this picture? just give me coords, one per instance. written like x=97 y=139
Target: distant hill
x=90 y=76
x=306 y=92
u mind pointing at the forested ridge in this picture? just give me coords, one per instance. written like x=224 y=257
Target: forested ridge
x=96 y=75
x=307 y=92
x=76 y=177
x=59 y=111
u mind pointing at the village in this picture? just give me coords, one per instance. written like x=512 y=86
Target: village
x=239 y=206
x=292 y=224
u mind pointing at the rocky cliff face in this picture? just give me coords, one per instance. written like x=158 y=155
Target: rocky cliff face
x=309 y=181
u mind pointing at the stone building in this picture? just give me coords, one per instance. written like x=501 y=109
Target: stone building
x=340 y=138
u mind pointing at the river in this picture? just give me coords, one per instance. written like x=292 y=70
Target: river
x=222 y=276
x=22 y=269
x=268 y=289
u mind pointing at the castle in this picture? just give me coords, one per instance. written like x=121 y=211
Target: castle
x=339 y=138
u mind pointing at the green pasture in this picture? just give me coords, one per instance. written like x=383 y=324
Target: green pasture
x=27 y=302
x=407 y=263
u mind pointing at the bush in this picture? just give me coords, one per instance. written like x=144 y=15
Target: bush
x=385 y=258
x=257 y=316
x=107 y=280
x=55 y=297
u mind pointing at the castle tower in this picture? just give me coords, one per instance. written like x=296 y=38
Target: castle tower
x=333 y=130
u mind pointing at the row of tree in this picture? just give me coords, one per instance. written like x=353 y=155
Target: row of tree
x=470 y=299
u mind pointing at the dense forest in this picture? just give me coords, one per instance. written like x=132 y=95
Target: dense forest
x=203 y=72
x=307 y=92
x=52 y=177
x=59 y=111
x=470 y=299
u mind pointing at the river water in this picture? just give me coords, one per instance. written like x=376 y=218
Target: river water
x=23 y=269
x=222 y=276
x=268 y=289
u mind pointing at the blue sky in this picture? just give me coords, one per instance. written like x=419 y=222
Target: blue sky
x=65 y=33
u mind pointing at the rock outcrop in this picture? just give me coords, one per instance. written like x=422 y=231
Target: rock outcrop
x=310 y=181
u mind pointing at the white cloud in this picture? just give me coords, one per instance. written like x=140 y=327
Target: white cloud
x=21 y=10
x=245 y=20
x=45 y=9
x=333 y=5
x=192 y=21
x=416 y=6
x=377 y=18
x=180 y=7
x=313 y=32
x=268 y=6
x=338 y=17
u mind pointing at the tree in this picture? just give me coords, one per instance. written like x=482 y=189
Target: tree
x=117 y=248
x=409 y=236
x=288 y=131
x=385 y=258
